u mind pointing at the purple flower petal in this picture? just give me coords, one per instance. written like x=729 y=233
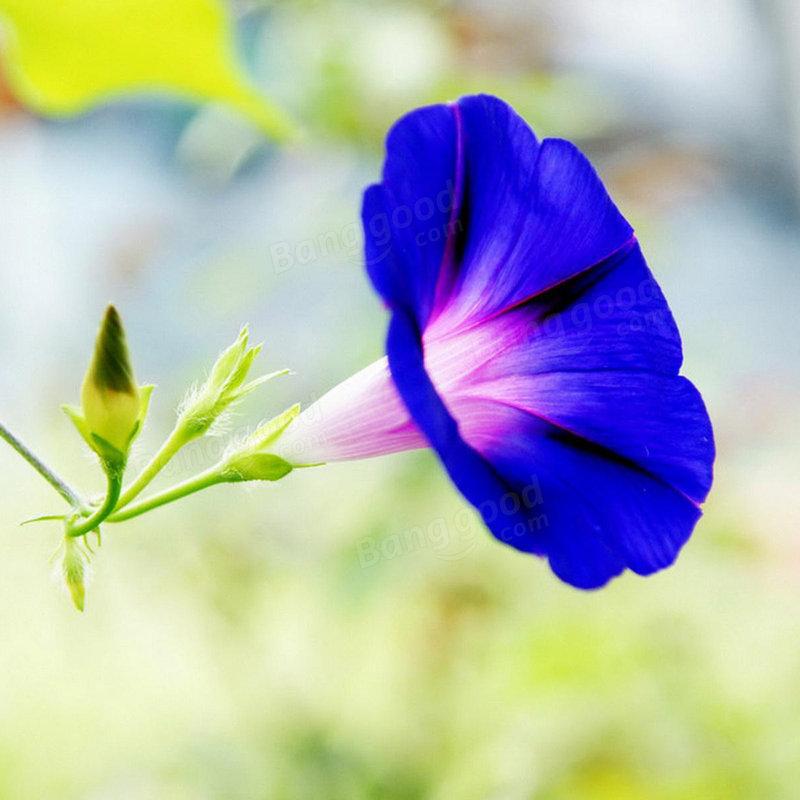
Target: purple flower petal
x=610 y=317
x=657 y=424
x=598 y=510
x=407 y=217
x=531 y=346
x=533 y=214
x=475 y=477
x=476 y=215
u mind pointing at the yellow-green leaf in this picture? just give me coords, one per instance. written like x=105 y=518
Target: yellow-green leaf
x=65 y=56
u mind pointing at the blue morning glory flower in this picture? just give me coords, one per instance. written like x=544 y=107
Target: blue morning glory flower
x=529 y=346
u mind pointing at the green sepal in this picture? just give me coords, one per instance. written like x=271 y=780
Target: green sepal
x=79 y=421
x=254 y=384
x=250 y=462
x=43 y=518
x=269 y=432
x=228 y=360
x=238 y=375
x=145 y=395
x=113 y=459
x=256 y=467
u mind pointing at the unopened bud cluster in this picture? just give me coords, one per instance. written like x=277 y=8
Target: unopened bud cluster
x=111 y=415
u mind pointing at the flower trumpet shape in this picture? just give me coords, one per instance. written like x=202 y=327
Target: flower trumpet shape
x=529 y=346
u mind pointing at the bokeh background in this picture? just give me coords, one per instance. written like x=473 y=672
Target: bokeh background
x=351 y=632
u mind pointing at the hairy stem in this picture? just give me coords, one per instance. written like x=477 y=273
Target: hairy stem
x=210 y=477
x=176 y=440
x=61 y=486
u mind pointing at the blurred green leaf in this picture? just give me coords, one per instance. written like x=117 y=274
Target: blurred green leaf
x=63 y=58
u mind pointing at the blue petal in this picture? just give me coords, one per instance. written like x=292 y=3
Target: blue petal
x=475 y=477
x=477 y=213
x=610 y=317
x=658 y=424
x=407 y=218
x=535 y=215
x=601 y=511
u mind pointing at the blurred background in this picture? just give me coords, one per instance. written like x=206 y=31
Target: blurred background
x=352 y=632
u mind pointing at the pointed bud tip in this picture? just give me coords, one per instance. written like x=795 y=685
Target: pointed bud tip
x=111 y=368
x=78 y=600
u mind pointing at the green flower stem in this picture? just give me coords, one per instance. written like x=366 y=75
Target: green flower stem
x=63 y=488
x=210 y=477
x=99 y=515
x=176 y=440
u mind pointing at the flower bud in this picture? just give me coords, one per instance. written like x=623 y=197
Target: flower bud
x=74 y=569
x=113 y=407
x=224 y=387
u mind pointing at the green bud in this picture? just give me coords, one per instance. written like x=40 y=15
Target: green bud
x=226 y=385
x=113 y=407
x=227 y=362
x=251 y=461
x=74 y=568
